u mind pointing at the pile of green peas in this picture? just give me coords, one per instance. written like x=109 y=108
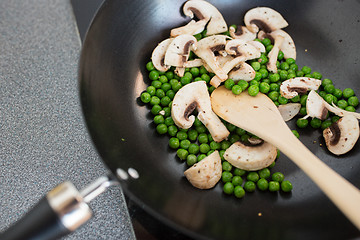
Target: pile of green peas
x=194 y=144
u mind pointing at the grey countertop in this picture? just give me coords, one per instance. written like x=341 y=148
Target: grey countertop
x=43 y=138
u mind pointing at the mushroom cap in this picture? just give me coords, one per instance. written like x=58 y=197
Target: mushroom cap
x=251 y=158
x=204 y=10
x=193 y=96
x=292 y=87
x=158 y=55
x=206 y=173
x=242 y=33
x=342 y=135
x=289 y=111
x=264 y=18
x=316 y=106
x=243 y=71
x=178 y=51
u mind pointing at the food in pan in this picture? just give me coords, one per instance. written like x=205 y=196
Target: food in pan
x=258 y=56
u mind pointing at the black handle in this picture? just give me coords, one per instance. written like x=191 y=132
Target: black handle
x=41 y=223
x=62 y=211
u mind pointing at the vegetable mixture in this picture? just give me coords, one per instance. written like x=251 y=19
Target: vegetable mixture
x=259 y=57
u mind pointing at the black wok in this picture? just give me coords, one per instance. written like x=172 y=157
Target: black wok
x=112 y=75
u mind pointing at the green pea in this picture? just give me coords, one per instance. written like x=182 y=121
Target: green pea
x=325 y=124
x=221 y=153
x=185 y=80
x=316 y=75
x=254 y=82
x=258 y=76
x=170 y=93
x=228 y=188
x=273 y=95
x=274 y=77
x=181 y=135
x=237 y=180
x=296 y=133
x=274 y=186
x=337 y=93
x=322 y=94
x=290 y=61
x=182 y=153
x=201 y=129
x=211 y=89
x=165 y=87
x=165 y=101
x=348 y=92
x=274 y=87
x=272 y=165
x=155 y=110
x=284 y=66
x=225 y=144
x=306 y=69
x=174 y=143
x=249 y=186
x=159 y=119
x=326 y=81
x=353 y=101
x=176 y=86
x=350 y=109
x=169 y=74
x=155 y=100
x=204 y=148
x=210 y=137
x=294 y=67
x=239 y=192
x=205 y=77
x=302 y=123
x=303 y=100
x=226 y=176
x=335 y=119
x=154 y=75
x=194 y=148
x=264 y=72
x=192 y=135
x=169 y=121
x=240 y=131
x=197 y=79
x=226 y=166
x=234 y=138
x=163 y=79
x=253 y=90
x=291 y=75
x=283 y=75
x=329 y=88
x=264 y=87
x=172 y=130
x=263 y=59
x=197 y=122
x=203 y=138
x=277 y=176
x=266 y=42
x=150 y=66
x=195 y=71
x=252 y=176
x=282 y=100
x=255 y=65
x=262 y=184
x=308 y=75
x=229 y=83
x=342 y=104
x=329 y=98
x=315 y=123
x=151 y=90
x=145 y=97
x=243 y=84
x=236 y=89
x=280 y=55
x=244 y=138
x=230 y=127
x=295 y=99
x=201 y=157
x=239 y=172
x=214 y=145
x=185 y=144
x=269 y=48
x=191 y=159
x=300 y=73
x=286 y=186
x=264 y=173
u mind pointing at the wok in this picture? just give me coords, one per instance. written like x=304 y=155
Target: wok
x=112 y=76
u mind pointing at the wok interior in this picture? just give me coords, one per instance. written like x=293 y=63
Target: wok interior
x=112 y=76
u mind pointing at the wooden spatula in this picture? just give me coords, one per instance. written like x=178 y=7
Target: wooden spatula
x=259 y=115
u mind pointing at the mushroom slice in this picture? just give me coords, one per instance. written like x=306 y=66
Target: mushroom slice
x=292 y=87
x=273 y=54
x=287 y=46
x=216 y=81
x=207 y=14
x=289 y=111
x=158 y=55
x=251 y=158
x=264 y=18
x=193 y=63
x=206 y=173
x=242 y=33
x=259 y=46
x=242 y=48
x=205 y=50
x=243 y=71
x=342 y=135
x=193 y=96
x=317 y=107
x=179 y=49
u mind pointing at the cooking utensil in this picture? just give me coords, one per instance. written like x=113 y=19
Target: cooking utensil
x=260 y=116
x=112 y=76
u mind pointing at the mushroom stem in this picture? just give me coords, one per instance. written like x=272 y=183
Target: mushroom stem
x=273 y=54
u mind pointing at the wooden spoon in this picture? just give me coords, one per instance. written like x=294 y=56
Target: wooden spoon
x=260 y=116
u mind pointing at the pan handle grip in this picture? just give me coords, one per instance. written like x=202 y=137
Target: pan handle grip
x=60 y=212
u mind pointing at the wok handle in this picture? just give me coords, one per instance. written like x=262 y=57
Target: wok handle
x=60 y=212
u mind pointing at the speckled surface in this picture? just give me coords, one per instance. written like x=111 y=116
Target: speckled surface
x=43 y=138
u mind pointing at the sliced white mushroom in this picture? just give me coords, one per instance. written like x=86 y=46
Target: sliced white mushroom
x=258 y=45
x=243 y=71
x=289 y=111
x=287 y=46
x=158 y=55
x=317 y=107
x=216 y=81
x=206 y=173
x=179 y=49
x=238 y=47
x=205 y=50
x=194 y=63
x=207 y=14
x=250 y=158
x=265 y=18
x=342 y=135
x=242 y=33
x=292 y=87
x=273 y=54
x=193 y=96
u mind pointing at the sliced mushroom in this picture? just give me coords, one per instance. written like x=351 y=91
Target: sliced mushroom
x=158 y=55
x=287 y=46
x=292 y=87
x=317 y=107
x=193 y=96
x=242 y=33
x=193 y=63
x=264 y=18
x=205 y=50
x=243 y=71
x=289 y=111
x=206 y=173
x=179 y=49
x=342 y=135
x=273 y=54
x=250 y=158
x=259 y=46
x=207 y=14
x=216 y=81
